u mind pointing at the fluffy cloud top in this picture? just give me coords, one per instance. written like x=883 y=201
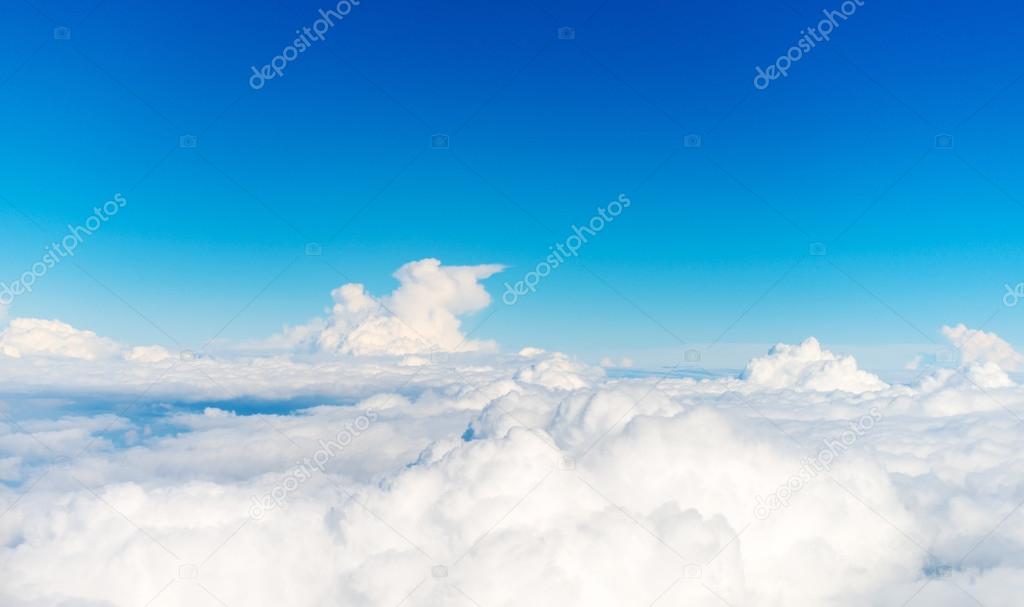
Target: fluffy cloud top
x=556 y=371
x=807 y=366
x=147 y=354
x=421 y=315
x=34 y=337
x=31 y=338
x=977 y=346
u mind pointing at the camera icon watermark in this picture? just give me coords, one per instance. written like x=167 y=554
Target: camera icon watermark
x=692 y=140
x=692 y=571
x=691 y=356
x=945 y=356
x=313 y=249
x=188 y=571
x=566 y=33
x=188 y=141
x=439 y=141
x=817 y=249
x=440 y=357
x=944 y=142
x=188 y=356
x=566 y=463
x=62 y=32
x=439 y=572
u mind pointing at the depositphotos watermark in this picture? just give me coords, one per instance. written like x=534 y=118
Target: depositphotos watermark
x=56 y=252
x=812 y=466
x=821 y=32
x=560 y=252
x=307 y=36
x=1013 y=294
x=304 y=468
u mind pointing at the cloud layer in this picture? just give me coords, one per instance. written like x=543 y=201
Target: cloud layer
x=500 y=479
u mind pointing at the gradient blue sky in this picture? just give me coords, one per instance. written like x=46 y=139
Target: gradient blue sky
x=543 y=130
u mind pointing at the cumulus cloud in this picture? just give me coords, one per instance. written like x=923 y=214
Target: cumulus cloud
x=555 y=371
x=32 y=338
x=807 y=366
x=421 y=315
x=35 y=337
x=982 y=363
x=978 y=346
x=608 y=363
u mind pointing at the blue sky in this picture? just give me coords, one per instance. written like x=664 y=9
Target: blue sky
x=542 y=132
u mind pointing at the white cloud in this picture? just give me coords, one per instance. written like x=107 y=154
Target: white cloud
x=34 y=337
x=606 y=494
x=608 y=363
x=556 y=371
x=977 y=346
x=531 y=478
x=807 y=366
x=421 y=315
x=148 y=354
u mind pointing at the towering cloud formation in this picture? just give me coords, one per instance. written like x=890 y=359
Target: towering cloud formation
x=977 y=346
x=420 y=316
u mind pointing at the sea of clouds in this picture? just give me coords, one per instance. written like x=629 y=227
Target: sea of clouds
x=433 y=468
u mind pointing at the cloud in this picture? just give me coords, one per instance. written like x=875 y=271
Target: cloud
x=807 y=366
x=977 y=346
x=982 y=364
x=421 y=315
x=34 y=337
x=401 y=476
x=608 y=363
x=556 y=371
x=616 y=491
x=148 y=354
